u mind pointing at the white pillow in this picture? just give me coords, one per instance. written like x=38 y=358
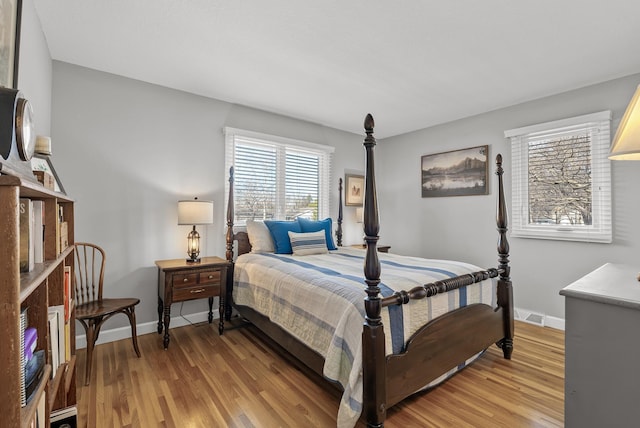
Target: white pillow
x=259 y=237
x=304 y=244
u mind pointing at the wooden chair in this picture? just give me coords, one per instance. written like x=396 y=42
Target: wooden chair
x=91 y=308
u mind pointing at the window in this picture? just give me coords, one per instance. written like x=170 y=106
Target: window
x=277 y=178
x=562 y=180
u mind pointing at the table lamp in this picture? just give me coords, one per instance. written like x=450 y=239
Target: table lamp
x=626 y=143
x=193 y=213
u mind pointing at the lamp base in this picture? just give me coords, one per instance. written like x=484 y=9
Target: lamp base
x=193 y=260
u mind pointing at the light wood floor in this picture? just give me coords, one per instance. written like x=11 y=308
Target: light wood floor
x=204 y=380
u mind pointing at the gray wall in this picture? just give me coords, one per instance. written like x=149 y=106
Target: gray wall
x=127 y=151
x=464 y=227
x=34 y=68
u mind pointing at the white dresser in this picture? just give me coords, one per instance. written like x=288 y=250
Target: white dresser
x=602 y=348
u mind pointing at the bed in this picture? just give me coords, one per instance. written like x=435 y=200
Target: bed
x=381 y=326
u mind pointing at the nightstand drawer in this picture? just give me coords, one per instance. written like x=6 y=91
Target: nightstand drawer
x=185 y=280
x=210 y=277
x=196 y=292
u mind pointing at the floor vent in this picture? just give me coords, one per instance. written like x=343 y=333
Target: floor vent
x=529 y=316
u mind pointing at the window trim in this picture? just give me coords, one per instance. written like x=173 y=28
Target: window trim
x=324 y=151
x=601 y=229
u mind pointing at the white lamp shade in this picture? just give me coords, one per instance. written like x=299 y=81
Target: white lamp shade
x=626 y=143
x=359 y=215
x=195 y=212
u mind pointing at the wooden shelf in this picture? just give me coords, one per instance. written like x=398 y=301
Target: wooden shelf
x=31 y=280
x=35 y=291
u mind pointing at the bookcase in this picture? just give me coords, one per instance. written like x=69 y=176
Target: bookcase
x=35 y=291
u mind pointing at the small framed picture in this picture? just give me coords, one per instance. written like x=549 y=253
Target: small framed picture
x=43 y=163
x=353 y=190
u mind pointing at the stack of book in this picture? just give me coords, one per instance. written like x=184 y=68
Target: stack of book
x=31 y=361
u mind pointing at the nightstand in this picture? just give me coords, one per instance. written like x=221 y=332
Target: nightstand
x=381 y=248
x=179 y=281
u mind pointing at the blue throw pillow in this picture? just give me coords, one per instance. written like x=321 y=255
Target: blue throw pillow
x=315 y=225
x=279 y=232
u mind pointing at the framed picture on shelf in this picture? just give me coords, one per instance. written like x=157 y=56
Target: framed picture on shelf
x=455 y=173
x=353 y=190
x=43 y=163
x=10 y=14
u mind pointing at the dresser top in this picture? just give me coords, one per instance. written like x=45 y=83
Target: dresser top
x=612 y=283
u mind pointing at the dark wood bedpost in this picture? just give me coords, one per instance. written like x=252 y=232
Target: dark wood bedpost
x=339 y=228
x=505 y=289
x=229 y=254
x=373 y=352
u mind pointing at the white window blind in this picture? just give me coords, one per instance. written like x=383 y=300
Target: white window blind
x=276 y=177
x=562 y=180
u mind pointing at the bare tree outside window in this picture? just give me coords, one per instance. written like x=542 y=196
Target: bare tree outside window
x=560 y=181
x=561 y=185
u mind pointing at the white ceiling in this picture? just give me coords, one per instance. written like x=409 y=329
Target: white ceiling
x=411 y=63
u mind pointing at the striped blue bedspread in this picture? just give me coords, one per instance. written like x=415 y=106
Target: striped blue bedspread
x=319 y=299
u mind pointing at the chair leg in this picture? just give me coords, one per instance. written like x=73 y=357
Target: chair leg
x=131 y=313
x=91 y=341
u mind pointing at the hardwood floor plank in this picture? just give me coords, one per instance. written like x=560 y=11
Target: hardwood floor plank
x=238 y=380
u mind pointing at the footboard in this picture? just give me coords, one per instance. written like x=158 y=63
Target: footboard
x=439 y=346
x=444 y=342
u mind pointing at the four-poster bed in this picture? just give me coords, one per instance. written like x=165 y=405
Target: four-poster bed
x=411 y=333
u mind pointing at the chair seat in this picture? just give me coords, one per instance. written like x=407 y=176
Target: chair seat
x=103 y=307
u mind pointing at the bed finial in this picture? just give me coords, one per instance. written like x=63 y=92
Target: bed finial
x=369 y=124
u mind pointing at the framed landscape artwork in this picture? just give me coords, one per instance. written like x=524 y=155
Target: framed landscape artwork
x=455 y=173
x=353 y=190
x=10 y=12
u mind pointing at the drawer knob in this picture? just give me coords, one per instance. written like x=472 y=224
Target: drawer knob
x=210 y=276
x=185 y=280
x=197 y=291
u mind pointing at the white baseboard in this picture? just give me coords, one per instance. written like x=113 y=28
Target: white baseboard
x=538 y=318
x=114 y=334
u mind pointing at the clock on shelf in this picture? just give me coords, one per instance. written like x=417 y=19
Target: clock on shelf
x=17 y=133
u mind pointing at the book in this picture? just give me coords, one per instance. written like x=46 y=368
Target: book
x=30 y=342
x=54 y=349
x=64 y=235
x=67 y=341
x=23 y=362
x=59 y=310
x=33 y=373
x=26 y=235
x=64 y=418
x=38 y=231
x=67 y=293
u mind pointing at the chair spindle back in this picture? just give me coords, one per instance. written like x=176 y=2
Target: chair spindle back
x=89 y=272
